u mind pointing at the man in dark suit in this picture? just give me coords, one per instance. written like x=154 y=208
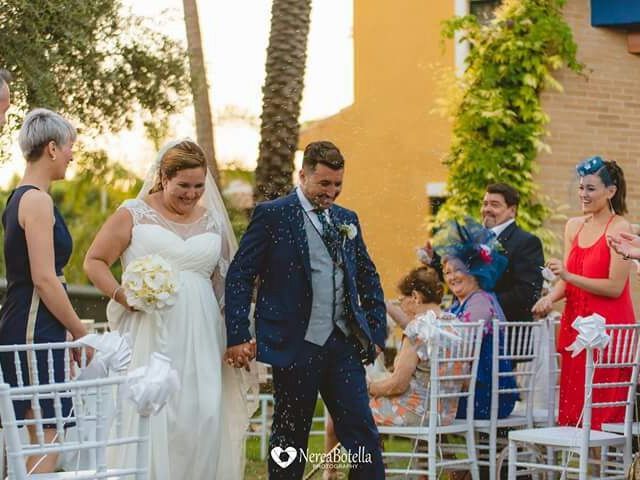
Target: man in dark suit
x=519 y=287
x=319 y=315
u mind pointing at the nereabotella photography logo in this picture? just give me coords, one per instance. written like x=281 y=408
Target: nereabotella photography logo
x=339 y=458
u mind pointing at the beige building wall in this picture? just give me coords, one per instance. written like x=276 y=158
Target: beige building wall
x=392 y=143
x=598 y=113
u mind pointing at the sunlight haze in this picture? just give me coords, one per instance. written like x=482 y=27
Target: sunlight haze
x=235 y=37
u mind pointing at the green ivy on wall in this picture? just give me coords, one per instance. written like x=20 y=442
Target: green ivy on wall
x=498 y=122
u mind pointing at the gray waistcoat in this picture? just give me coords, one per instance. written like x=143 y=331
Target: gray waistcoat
x=327 y=282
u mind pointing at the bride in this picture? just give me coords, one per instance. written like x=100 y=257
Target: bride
x=180 y=216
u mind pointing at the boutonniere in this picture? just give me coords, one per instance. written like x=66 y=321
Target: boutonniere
x=348 y=230
x=498 y=247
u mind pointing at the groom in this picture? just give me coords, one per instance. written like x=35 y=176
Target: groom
x=319 y=315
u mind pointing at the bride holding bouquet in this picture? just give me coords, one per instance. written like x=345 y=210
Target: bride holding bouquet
x=175 y=243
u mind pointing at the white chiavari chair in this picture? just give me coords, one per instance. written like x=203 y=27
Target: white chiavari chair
x=463 y=356
x=623 y=352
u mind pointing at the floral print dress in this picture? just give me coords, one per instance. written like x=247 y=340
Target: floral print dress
x=411 y=408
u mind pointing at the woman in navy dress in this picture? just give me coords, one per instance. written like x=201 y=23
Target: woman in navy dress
x=37 y=246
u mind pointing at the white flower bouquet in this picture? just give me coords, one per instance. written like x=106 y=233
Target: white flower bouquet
x=150 y=283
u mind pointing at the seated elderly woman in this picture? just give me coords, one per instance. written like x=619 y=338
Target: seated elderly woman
x=471 y=266
x=400 y=399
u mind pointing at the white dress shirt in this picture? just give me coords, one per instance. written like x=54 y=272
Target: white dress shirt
x=498 y=229
x=311 y=210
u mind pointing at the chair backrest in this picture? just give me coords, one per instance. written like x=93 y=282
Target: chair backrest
x=552 y=321
x=56 y=360
x=29 y=359
x=621 y=354
x=453 y=370
x=99 y=394
x=514 y=342
x=613 y=370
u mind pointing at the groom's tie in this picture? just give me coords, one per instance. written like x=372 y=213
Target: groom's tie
x=330 y=235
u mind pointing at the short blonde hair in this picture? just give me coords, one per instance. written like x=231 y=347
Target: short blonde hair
x=40 y=127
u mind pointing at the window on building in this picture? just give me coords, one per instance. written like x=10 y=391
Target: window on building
x=436 y=195
x=435 y=203
x=484 y=9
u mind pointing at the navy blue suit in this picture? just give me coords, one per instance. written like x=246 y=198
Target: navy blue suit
x=274 y=251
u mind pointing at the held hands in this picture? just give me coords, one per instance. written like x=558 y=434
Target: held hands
x=240 y=356
x=625 y=244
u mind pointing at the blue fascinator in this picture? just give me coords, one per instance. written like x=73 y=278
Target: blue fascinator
x=475 y=247
x=595 y=166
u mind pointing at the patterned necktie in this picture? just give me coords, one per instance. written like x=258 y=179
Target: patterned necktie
x=330 y=235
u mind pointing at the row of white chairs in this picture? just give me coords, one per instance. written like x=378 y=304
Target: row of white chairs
x=95 y=414
x=569 y=450
x=482 y=444
x=527 y=424
x=521 y=343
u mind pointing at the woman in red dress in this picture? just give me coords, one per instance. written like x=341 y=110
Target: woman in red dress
x=592 y=279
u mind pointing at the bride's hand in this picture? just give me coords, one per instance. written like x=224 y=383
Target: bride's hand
x=121 y=298
x=241 y=355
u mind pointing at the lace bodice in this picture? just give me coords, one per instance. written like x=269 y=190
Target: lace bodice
x=194 y=247
x=145 y=214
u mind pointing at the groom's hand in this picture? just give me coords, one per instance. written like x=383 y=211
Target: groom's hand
x=241 y=355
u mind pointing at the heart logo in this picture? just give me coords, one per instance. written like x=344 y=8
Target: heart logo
x=277 y=451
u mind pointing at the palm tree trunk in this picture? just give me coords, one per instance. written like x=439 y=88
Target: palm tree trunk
x=281 y=96
x=199 y=86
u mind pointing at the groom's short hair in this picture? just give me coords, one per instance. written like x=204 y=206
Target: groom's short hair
x=323 y=152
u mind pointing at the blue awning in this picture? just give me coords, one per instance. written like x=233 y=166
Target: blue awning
x=615 y=13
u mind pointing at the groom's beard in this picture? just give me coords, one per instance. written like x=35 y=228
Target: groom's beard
x=324 y=206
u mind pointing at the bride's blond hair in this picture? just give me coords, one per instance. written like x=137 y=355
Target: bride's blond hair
x=185 y=155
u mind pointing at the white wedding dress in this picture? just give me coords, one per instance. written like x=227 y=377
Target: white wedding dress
x=211 y=410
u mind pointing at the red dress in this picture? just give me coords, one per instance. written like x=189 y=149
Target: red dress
x=590 y=262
